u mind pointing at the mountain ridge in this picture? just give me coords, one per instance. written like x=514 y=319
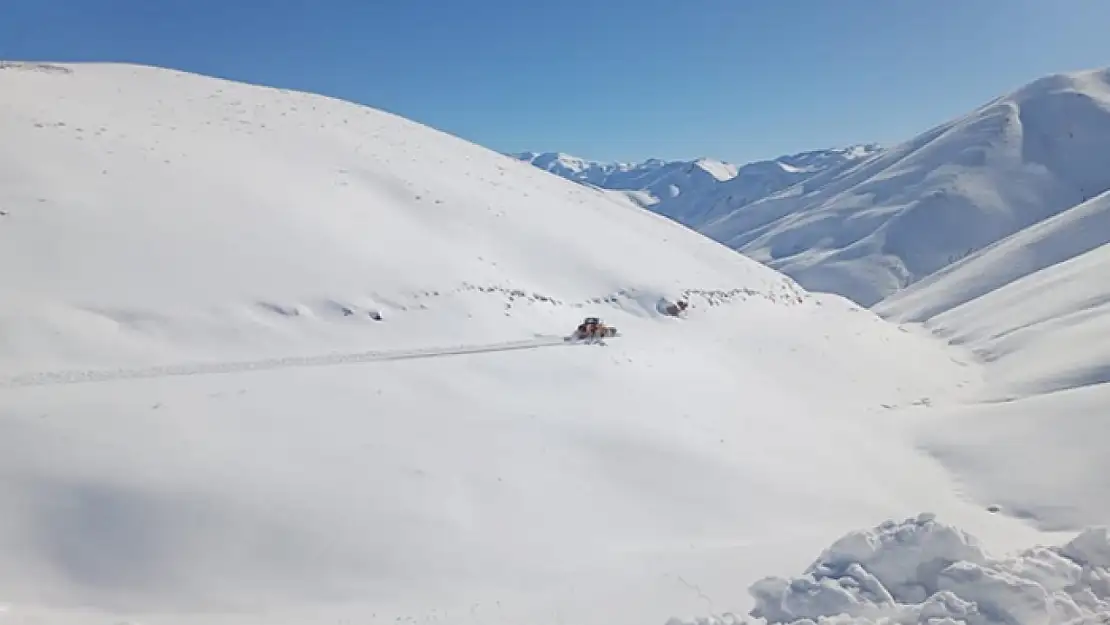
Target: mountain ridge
x=686 y=190
x=867 y=231
x=865 y=222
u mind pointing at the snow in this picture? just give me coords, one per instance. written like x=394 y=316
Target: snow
x=614 y=176
x=1039 y=333
x=924 y=571
x=270 y=357
x=1039 y=458
x=870 y=228
x=1033 y=309
x=656 y=184
x=1064 y=236
x=719 y=170
x=695 y=192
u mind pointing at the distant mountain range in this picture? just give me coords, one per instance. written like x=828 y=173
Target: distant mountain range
x=687 y=191
x=866 y=222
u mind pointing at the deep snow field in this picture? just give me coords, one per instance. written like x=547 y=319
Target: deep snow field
x=201 y=420
x=1034 y=308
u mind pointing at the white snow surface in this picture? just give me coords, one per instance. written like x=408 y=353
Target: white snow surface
x=921 y=571
x=875 y=226
x=1034 y=308
x=270 y=357
x=1034 y=304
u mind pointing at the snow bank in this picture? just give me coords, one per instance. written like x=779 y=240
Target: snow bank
x=923 y=571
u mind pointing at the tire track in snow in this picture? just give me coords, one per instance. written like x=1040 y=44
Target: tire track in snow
x=77 y=376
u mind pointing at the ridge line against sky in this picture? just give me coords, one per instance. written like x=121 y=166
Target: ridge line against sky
x=626 y=81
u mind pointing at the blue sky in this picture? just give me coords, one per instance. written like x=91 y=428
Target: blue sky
x=625 y=79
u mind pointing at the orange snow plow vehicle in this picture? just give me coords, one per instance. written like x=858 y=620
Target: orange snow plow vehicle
x=592 y=329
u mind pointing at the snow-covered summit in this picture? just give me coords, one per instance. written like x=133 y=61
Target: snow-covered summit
x=718 y=169
x=622 y=176
x=869 y=230
x=570 y=166
x=692 y=192
x=816 y=161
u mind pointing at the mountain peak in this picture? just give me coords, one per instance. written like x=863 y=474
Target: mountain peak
x=720 y=170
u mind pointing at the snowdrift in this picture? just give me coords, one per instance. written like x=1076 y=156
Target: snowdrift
x=869 y=229
x=921 y=571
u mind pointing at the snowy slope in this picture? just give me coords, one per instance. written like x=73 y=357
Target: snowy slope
x=269 y=357
x=1035 y=307
x=694 y=192
x=869 y=230
x=1071 y=233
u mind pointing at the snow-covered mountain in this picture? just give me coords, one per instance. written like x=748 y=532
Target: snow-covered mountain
x=686 y=191
x=868 y=230
x=271 y=357
x=624 y=176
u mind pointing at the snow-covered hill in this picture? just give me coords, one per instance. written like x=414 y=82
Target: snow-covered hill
x=688 y=191
x=868 y=230
x=1035 y=307
x=269 y=357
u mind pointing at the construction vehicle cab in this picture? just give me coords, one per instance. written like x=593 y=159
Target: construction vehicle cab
x=593 y=328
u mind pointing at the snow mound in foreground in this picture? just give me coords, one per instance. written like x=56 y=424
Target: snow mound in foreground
x=923 y=571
